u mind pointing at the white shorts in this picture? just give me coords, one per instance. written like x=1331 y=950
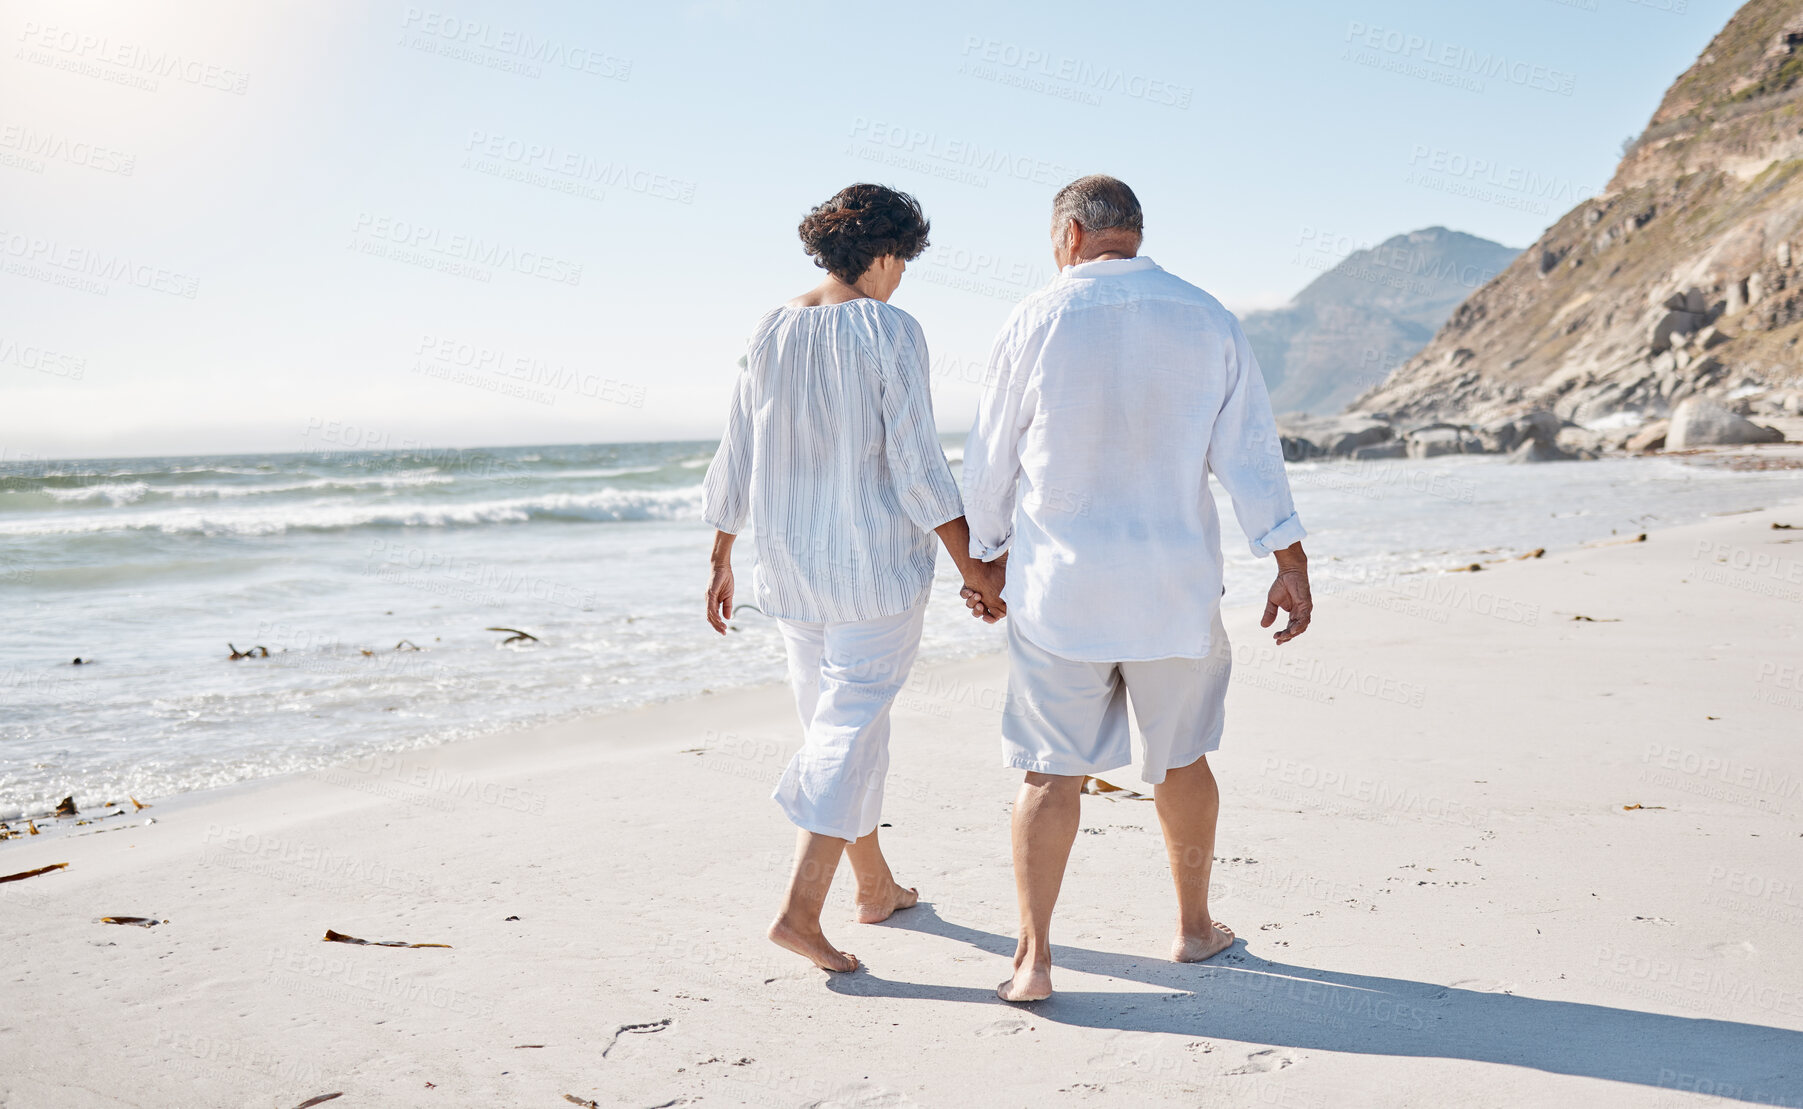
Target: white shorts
x=845 y=677
x=1068 y=717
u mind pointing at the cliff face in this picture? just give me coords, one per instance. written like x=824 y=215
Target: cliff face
x=1684 y=278
x=1374 y=309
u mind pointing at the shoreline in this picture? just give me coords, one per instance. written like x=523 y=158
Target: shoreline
x=1537 y=861
x=1330 y=583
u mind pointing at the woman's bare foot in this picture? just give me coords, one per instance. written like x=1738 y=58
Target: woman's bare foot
x=812 y=946
x=1030 y=983
x=1195 y=949
x=876 y=909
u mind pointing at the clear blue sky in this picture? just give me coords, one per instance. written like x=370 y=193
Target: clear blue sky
x=614 y=187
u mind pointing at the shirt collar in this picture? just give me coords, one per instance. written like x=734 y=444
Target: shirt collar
x=1108 y=267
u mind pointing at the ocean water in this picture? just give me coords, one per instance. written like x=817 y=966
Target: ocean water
x=340 y=564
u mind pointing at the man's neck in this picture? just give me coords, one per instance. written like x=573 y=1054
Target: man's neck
x=1108 y=249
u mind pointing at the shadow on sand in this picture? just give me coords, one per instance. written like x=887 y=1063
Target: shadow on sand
x=1239 y=996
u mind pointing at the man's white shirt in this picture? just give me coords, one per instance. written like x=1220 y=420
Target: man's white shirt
x=1111 y=395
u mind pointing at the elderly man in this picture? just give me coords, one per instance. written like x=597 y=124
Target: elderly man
x=1111 y=396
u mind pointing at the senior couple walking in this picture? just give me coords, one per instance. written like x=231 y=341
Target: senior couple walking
x=1086 y=521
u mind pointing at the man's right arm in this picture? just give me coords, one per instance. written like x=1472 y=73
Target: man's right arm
x=992 y=451
x=1246 y=455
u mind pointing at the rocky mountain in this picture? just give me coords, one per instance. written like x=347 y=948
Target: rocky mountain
x=1682 y=280
x=1370 y=312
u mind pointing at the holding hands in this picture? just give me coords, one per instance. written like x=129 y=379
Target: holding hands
x=982 y=590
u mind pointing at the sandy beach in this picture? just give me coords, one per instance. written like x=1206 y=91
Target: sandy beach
x=1525 y=836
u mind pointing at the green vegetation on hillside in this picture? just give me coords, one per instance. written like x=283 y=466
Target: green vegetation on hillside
x=1783 y=78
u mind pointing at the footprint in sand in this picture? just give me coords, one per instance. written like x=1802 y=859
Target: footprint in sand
x=864 y=1095
x=1264 y=1062
x=1734 y=949
x=1007 y=1026
x=1482 y=985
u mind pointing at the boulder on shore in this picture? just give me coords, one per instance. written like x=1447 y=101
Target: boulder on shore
x=1335 y=436
x=1649 y=438
x=1432 y=442
x=1298 y=449
x=1393 y=448
x=1701 y=422
x=1506 y=435
x=1540 y=450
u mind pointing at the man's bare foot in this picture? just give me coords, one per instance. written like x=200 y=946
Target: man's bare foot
x=877 y=909
x=812 y=946
x=1195 y=949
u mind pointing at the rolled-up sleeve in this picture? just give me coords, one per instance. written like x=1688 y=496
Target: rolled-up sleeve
x=923 y=479
x=1246 y=455
x=992 y=451
x=726 y=491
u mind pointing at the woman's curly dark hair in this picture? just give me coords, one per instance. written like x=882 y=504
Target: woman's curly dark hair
x=860 y=224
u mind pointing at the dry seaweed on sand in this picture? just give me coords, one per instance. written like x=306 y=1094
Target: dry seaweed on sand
x=340 y=937
x=23 y=874
x=137 y=921
x=320 y=1100
x=1092 y=784
x=638 y=1029
x=515 y=635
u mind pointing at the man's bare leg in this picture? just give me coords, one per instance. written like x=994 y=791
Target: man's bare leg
x=1046 y=813
x=1189 y=804
x=797 y=927
x=878 y=893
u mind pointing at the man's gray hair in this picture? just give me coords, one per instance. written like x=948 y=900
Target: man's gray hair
x=1098 y=203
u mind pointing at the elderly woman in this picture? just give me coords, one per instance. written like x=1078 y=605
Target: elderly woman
x=831 y=454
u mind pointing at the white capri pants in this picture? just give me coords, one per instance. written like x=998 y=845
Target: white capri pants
x=845 y=677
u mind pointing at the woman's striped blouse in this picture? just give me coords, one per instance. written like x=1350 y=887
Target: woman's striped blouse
x=832 y=454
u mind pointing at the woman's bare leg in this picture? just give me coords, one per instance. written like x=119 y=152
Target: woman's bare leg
x=797 y=926
x=878 y=893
